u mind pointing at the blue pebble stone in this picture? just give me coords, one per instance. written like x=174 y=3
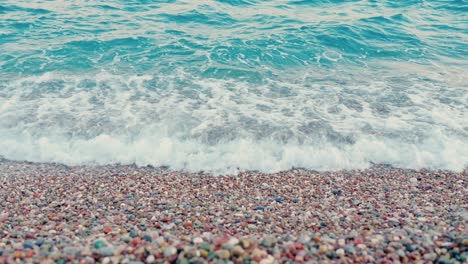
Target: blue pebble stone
x=27 y=245
x=39 y=242
x=336 y=192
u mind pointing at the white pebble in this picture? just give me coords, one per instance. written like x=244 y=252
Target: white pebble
x=198 y=240
x=150 y=259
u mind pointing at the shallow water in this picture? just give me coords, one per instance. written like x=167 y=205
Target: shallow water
x=227 y=85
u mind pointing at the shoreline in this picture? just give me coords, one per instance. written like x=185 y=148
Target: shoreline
x=130 y=214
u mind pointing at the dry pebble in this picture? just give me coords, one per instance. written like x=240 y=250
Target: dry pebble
x=51 y=213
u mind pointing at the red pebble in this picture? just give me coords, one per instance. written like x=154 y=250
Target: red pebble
x=135 y=242
x=107 y=229
x=30 y=254
x=358 y=240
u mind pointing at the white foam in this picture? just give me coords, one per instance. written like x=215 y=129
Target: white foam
x=223 y=126
x=240 y=154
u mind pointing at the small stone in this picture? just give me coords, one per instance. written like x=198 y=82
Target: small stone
x=231 y=242
x=99 y=244
x=268 y=260
x=192 y=253
x=107 y=229
x=223 y=254
x=126 y=239
x=29 y=254
x=72 y=251
x=147 y=238
x=150 y=259
x=258 y=253
x=465 y=242
x=135 y=242
x=279 y=199
x=336 y=192
x=28 y=245
x=238 y=251
x=341 y=242
x=349 y=249
x=39 y=242
x=169 y=251
x=106 y=251
x=259 y=208
x=323 y=248
x=168 y=226
x=409 y=248
x=429 y=256
x=340 y=252
x=304 y=239
x=205 y=246
x=245 y=243
x=413 y=180
x=464 y=257
x=444 y=260
x=197 y=240
x=203 y=253
x=268 y=241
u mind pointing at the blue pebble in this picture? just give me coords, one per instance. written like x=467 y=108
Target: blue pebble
x=259 y=208
x=336 y=192
x=39 y=242
x=279 y=199
x=27 y=245
x=147 y=238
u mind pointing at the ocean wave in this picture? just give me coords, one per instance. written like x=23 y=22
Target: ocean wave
x=235 y=85
x=220 y=125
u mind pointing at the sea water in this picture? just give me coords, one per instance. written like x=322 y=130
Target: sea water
x=223 y=86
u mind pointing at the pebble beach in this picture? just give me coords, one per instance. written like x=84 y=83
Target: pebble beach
x=52 y=213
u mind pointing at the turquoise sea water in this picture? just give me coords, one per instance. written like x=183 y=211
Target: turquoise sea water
x=243 y=84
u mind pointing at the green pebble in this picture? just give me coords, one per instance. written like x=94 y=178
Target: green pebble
x=205 y=246
x=464 y=257
x=99 y=244
x=126 y=239
x=211 y=255
x=60 y=261
x=183 y=261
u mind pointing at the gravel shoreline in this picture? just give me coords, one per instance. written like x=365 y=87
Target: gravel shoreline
x=53 y=213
